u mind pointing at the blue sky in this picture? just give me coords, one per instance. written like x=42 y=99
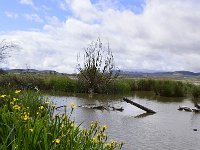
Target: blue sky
x=34 y=14
x=143 y=34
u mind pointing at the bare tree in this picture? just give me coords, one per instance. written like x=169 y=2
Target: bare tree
x=97 y=71
x=5 y=49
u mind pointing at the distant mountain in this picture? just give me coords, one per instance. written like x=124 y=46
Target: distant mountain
x=21 y=71
x=152 y=73
x=189 y=73
x=129 y=73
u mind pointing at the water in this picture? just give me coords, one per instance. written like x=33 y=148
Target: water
x=168 y=129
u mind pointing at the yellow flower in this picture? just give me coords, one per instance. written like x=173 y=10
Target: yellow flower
x=47 y=102
x=37 y=113
x=108 y=146
x=17 y=91
x=94 y=140
x=84 y=131
x=15 y=99
x=16 y=107
x=57 y=141
x=72 y=125
x=12 y=103
x=72 y=105
x=2 y=96
x=25 y=117
x=31 y=130
x=41 y=107
x=104 y=127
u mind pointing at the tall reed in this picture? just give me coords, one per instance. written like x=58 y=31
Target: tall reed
x=63 y=83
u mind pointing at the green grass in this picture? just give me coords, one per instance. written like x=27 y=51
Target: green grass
x=62 y=83
x=195 y=91
x=28 y=122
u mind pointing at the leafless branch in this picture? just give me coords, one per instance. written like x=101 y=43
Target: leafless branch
x=6 y=48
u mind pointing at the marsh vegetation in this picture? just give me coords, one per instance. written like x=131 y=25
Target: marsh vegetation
x=62 y=83
x=28 y=122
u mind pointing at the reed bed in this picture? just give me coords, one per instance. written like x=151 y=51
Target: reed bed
x=62 y=83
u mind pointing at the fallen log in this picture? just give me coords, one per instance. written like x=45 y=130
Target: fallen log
x=188 y=109
x=196 y=105
x=118 y=109
x=185 y=108
x=196 y=110
x=138 y=105
x=101 y=107
x=182 y=107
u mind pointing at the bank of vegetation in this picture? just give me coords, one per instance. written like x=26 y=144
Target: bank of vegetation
x=28 y=122
x=62 y=83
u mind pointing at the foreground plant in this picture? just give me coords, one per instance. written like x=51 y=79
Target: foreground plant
x=28 y=122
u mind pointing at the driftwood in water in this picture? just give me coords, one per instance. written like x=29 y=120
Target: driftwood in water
x=196 y=105
x=118 y=109
x=138 y=105
x=101 y=107
x=185 y=108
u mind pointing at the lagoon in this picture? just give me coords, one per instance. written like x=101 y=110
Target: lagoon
x=167 y=129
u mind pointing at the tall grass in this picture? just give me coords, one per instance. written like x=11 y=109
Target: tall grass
x=196 y=91
x=27 y=122
x=43 y=82
x=171 y=88
x=63 y=83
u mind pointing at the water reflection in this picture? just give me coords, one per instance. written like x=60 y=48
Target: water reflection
x=143 y=115
x=167 y=129
x=151 y=96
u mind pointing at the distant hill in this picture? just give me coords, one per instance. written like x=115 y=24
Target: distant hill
x=158 y=74
x=21 y=71
x=140 y=73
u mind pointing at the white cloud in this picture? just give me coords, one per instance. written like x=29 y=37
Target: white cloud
x=53 y=20
x=84 y=10
x=11 y=15
x=27 y=2
x=62 y=4
x=166 y=36
x=33 y=17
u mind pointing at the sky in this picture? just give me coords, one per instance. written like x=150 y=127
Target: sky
x=155 y=35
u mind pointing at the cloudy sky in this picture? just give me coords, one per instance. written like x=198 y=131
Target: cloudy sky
x=161 y=35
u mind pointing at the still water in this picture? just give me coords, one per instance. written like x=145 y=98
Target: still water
x=168 y=129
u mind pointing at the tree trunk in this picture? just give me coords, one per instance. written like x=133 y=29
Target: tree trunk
x=138 y=105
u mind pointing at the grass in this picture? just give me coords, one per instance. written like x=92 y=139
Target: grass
x=167 y=88
x=28 y=122
x=195 y=91
x=62 y=83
